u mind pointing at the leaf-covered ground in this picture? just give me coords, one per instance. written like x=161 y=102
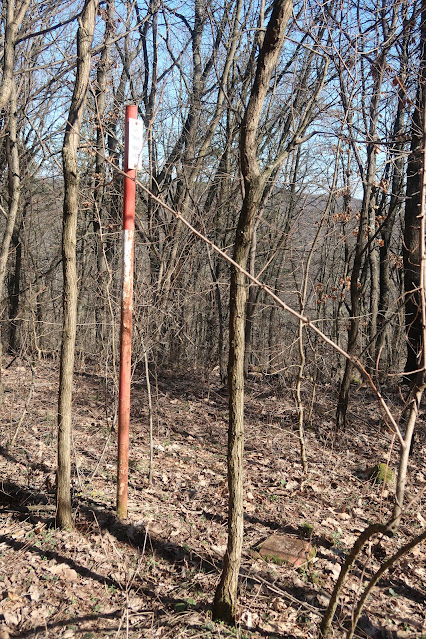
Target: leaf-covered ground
x=155 y=574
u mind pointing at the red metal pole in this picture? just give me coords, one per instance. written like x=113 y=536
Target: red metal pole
x=126 y=324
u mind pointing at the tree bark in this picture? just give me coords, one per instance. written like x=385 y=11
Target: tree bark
x=364 y=229
x=15 y=284
x=14 y=199
x=100 y=176
x=14 y=17
x=416 y=260
x=69 y=235
x=411 y=245
x=250 y=310
x=396 y=200
x=224 y=606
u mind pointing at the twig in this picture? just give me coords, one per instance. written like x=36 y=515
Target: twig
x=27 y=403
x=305 y=320
x=369 y=532
x=282 y=593
x=151 y=443
x=375 y=578
x=388 y=417
x=104 y=448
x=11 y=362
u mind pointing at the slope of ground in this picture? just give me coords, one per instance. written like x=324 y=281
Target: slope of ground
x=155 y=574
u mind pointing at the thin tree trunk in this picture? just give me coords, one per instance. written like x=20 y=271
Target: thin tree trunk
x=366 y=535
x=282 y=246
x=250 y=308
x=99 y=178
x=411 y=246
x=374 y=264
x=365 y=216
x=14 y=199
x=226 y=594
x=69 y=238
x=15 y=290
x=302 y=305
x=191 y=156
x=420 y=377
x=404 y=550
x=224 y=606
x=14 y=17
x=396 y=199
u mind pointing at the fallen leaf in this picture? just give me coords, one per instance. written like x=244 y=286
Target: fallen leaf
x=14 y=597
x=343 y=516
x=64 y=571
x=135 y=603
x=291 y=485
x=12 y=617
x=4 y=633
x=323 y=600
x=34 y=593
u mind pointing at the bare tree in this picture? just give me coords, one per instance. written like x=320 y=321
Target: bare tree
x=15 y=13
x=366 y=256
x=70 y=215
x=14 y=197
x=394 y=182
x=411 y=244
x=254 y=183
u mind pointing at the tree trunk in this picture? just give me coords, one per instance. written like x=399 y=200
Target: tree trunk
x=15 y=286
x=411 y=253
x=69 y=238
x=397 y=196
x=374 y=264
x=385 y=275
x=99 y=178
x=250 y=309
x=361 y=244
x=14 y=199
x=415 y=272
x=224 y=606
x=14 y=17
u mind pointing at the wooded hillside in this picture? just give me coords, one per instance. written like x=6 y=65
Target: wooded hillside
x=279 y=318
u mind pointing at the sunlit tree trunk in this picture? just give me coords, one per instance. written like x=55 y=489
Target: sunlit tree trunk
x=69 y=238
x=224 y=606
x=15 y=13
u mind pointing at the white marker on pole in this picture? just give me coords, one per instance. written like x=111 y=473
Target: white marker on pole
x=134 y=158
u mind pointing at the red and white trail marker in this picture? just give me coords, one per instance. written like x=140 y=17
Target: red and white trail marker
x=133 y=144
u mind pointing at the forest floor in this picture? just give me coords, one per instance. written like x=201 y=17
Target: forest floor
x=155 y=574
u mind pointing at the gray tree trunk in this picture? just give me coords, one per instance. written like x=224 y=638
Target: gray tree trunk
x=69 y=238
x=224 y=605
x=14 y=199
